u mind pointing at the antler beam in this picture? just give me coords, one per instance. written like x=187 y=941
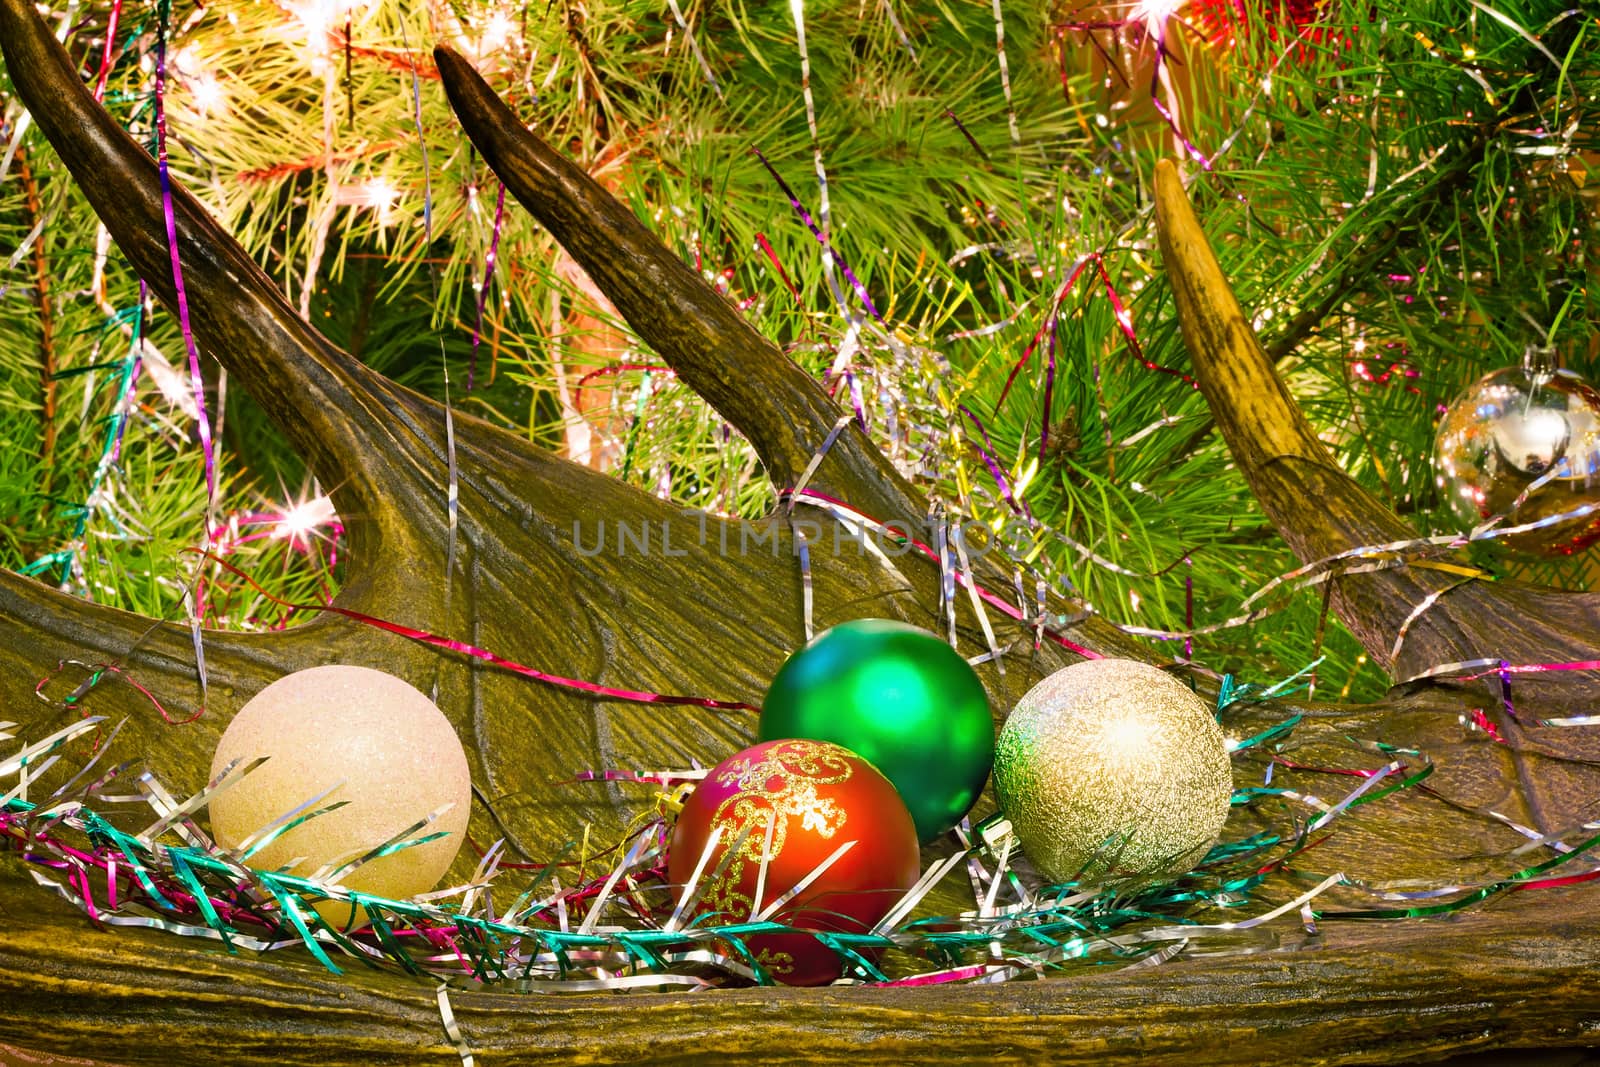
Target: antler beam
x=715 y=351
x=1321 y=511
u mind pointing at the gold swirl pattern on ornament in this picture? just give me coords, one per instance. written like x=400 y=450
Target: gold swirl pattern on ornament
x=778 y=963
x=778 y=787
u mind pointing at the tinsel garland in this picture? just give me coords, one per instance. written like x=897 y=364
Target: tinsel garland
x=624 y=929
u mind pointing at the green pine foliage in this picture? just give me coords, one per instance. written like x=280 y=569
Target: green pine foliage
x=1404 y=194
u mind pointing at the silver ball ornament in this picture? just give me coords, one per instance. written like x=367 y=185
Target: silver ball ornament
x=1515 y=428
x=1111 y=770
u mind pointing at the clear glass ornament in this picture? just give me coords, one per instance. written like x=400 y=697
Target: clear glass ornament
x=1523 y=444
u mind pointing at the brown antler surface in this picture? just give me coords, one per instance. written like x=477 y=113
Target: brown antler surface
x=707 y=622
x=1322 y=512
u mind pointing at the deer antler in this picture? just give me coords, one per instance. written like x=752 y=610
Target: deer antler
x=526 y=587
x=713 y=348
x=1321 y=511
x=697 y=620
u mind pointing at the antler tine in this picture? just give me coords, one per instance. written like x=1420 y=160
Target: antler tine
x=319 y=396
x=719 y=355
x=1262 y=423
x=1320 y=510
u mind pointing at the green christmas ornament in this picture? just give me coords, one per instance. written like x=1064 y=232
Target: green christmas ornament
x=900 y=698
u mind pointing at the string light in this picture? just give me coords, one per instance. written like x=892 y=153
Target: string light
x=1155 y=14
x=377 y=194
x=380 y=195
x=497 y=32
x=318 y=20
x=305 y=519
x=205 y=90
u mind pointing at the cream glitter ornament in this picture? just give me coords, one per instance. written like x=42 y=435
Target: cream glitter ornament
x=379 y=745
x=1112 y=770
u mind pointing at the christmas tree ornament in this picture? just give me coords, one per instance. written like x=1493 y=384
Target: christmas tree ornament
x=1523 y=444
x=1112 y=770
x=783 y=809
x=903 y=700
x=1307 y=23
x=355 y=736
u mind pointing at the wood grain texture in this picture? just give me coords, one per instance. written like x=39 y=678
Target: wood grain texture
x=718 y=623
x=1475 y=982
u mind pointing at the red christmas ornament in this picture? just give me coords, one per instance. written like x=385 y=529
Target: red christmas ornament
x=1228 y=23
x=800 y=801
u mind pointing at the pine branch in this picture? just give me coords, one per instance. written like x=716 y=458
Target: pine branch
x=1354 y=274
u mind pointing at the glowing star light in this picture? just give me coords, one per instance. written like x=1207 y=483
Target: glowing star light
x=378 y=195
x=1155 y=14
x=497 y=32
x=302 y=520
x=205 y=91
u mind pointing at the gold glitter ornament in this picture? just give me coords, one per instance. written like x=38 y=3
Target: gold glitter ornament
x=1112 y=770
